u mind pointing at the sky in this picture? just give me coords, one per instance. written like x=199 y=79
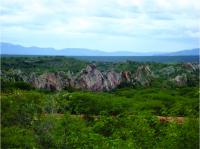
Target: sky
x=107 y=25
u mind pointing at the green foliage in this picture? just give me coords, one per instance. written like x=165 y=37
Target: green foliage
x=180 y=136
x=177 y=102
x=21 y=108
x=16 y=137
x=41 y=64
x=95 y=103
x=7 y=86
x=124 y=118
x=56 y=103
x=67 y=131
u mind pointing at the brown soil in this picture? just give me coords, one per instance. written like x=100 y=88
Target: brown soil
x=162 y=119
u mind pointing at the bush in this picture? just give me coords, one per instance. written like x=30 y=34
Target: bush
x=180 y=136
x=125 y=118
x=11 y=86
x=16 y=137
x=20 y=108
x=95 y=103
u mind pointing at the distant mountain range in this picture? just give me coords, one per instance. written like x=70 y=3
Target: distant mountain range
x=12 y=49
x=191 y=52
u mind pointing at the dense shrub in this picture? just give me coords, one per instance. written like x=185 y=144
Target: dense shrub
x=17 y=137
x=94 y=103
x=20 y=108
x=180 y=136
x=7 y=86
x=125 y=118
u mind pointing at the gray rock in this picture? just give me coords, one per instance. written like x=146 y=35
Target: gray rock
x=49 y=81
x=180 y=80
x=167 y=71
x=94 y=80
x=89 y=78
x=190 y=67
x=143 y=75
x=126 y=76
x=111 y=80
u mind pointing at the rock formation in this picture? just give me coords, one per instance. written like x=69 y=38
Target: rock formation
x=126 y=76
x=167 y=71
x=92 y=79
x=190 y=66
x=50 y=81
x=180 y=80
x=143 y=75
x=89 y=78
x=111 y=80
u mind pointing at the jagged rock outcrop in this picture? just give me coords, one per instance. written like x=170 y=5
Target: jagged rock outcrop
x=180 y=80
x=111 y=80
x=126 y=76
x=167 y=71
x=89 y=79
x=50 y=81
x=143 y=75
x=191 y=67
x=93 y=79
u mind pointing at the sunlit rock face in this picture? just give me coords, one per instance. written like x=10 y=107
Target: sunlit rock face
x=111 y=80
x=167 y=71
x=49 y=81
x=191 y=67
x=90 y=79
x=180 y=80
x=126 y=76
x=93 y=79
x=143 y=75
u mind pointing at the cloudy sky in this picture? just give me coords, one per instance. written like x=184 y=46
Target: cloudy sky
x=108 y=25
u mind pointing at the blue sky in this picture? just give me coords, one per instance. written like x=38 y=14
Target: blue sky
x=107 y=25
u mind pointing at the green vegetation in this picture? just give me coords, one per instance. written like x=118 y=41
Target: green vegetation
x=124 y=118
x=41 y=64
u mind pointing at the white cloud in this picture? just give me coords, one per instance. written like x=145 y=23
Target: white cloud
x=130 y=18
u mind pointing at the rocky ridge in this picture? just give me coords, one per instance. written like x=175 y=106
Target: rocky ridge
x=92 y=79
